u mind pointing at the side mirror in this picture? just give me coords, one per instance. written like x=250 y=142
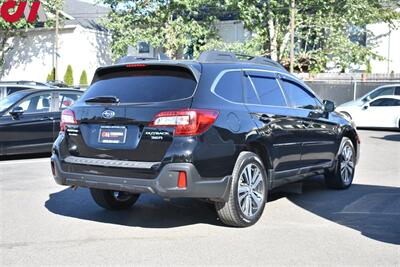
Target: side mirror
x=329 y=106
x=365 y=107
x=16 y=112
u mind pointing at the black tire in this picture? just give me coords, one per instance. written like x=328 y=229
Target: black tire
x=336 y=178
x=113 y=200
x=231 y=212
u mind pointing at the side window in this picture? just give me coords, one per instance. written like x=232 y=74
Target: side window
x=230 y=86
x=397 y=91
x=11 y=90
x=382 y=92
x=67 y=100
x=299 y=97
x=383 y=102
x=268 y=91
x=36 y=103
x=250 y=94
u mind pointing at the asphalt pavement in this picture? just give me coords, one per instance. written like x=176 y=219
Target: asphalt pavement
x=43 y=223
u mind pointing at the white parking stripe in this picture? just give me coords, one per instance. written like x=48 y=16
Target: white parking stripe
x=24 y=161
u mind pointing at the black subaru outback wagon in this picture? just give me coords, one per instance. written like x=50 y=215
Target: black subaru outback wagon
x=218 y=128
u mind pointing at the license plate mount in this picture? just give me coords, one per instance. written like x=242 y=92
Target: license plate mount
x=112 y=135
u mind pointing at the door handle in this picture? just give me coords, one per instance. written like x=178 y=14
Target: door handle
x=265 y=118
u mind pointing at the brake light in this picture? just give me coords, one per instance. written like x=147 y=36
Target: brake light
x=67 y=118
x=135 y=65
x=182 y=179
x=186 y=122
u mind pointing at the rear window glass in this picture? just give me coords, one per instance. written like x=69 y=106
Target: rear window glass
x=230 y=86
x=150 y=84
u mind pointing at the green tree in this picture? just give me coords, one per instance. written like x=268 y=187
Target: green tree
x=69 y=76
x=8 y=31
x=83 y=81
x=52 y=75
x=326 y=31
x=174 y=26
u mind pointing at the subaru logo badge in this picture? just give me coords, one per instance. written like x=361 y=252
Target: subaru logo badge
x=108 y=114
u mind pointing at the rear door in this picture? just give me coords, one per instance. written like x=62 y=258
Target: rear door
x=278 y=125
x=120 y=129
x=32 y=131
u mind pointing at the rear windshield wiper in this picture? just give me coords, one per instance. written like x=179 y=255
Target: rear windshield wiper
x=103 y=99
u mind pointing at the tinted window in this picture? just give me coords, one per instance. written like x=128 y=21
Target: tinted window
x=299 y=97
x=383 y=102
x=67 y=100
x=230 y=86
x=250 y=95
x=381 y=92
x=11 y=90
x=10 y=100
x=268 y=91
x=148 y=84
x=36 y=103
x=397 y=91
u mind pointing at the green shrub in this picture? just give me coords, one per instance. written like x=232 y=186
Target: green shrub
x=83 y=80
x=69 y=76
x=52 y=75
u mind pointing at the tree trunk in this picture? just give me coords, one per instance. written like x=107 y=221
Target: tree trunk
x=273 y=45
x=4 y=48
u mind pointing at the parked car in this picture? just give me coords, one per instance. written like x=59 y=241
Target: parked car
x=381 y=112
x=22 y=82
x=217 y=128
x=385 y=90
x=57 y=83
x=7 y=88
x=29 y=119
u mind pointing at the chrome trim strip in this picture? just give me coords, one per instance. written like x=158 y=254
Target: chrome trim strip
x=110 y=163
x=222 y=73
x=318 y=143
x=287 y=144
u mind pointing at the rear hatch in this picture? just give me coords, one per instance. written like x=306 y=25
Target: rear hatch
x=113 y=116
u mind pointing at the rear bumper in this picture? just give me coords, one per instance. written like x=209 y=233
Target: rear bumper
x=165 y=184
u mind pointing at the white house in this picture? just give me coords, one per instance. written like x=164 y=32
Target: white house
x=387 y=46
x=83 y=44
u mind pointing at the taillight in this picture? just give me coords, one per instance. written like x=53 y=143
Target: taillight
x=186 y=122
x=67 y=118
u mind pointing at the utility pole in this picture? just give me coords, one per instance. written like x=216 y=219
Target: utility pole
x=56 y=37
x=292 y=31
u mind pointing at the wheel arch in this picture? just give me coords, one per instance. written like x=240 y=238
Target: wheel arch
x=352 y=134
x=261 y=151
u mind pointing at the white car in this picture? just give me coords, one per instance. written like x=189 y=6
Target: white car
x=382 y=111
x=384 y=90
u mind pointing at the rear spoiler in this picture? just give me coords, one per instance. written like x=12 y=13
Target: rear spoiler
x=185 y=65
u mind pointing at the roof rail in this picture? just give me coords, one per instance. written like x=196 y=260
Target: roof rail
x=130 y=59
x=266 y=61
x=212 y=56
x=221 y=56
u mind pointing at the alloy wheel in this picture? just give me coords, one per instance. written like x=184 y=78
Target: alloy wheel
x=347 y=164
x=251 y=190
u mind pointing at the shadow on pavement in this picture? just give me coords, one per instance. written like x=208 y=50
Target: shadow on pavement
x=374 y=211
x=389 y=137
x=25 y=156
x=151 y=211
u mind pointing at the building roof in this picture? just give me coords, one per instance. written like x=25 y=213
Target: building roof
x=85 y=14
